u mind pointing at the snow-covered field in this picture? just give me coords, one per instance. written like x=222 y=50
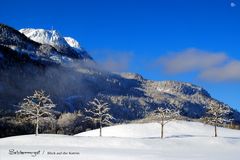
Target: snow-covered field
x=183 y=141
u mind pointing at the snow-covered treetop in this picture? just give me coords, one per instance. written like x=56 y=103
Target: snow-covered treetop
x=217 y=113
x=38 y=104
x=99 y=112
x=166 y=115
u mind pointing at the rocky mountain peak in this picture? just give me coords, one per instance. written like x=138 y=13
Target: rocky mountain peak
x=66 y=45
x=51 y=37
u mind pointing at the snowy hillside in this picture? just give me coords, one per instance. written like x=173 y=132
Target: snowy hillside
x=184 y=141
x=173 y=129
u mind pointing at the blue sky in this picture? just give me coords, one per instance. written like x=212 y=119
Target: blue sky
x=196 y=41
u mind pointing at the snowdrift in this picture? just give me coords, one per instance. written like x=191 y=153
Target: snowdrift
x=172 y=129
x=183 y=141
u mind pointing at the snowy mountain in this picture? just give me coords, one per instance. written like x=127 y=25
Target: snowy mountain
x=14 y=41
x=184 y=141
x=55 y=39
x=51 y=37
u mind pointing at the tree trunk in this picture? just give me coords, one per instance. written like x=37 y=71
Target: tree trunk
x=215 y=130
x=100 y=129
x=36 y=132
x=162 y=131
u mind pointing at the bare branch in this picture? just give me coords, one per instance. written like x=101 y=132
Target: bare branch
x=99 y=113
x=36 y=106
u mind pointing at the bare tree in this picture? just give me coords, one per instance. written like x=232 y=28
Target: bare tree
x=165 y=115
x=216 y=115
x=99 y=113
x=35 y=107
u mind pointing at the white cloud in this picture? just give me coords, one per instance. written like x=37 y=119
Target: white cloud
x=228 y=72
x=190 y=60
x=209 y=66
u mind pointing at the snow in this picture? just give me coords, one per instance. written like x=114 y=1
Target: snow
x=183 y=141
x=55 y=39
x=43 y=36
x=163 y=90
x=51 y=37
x=72 y=42
x=172 y=129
